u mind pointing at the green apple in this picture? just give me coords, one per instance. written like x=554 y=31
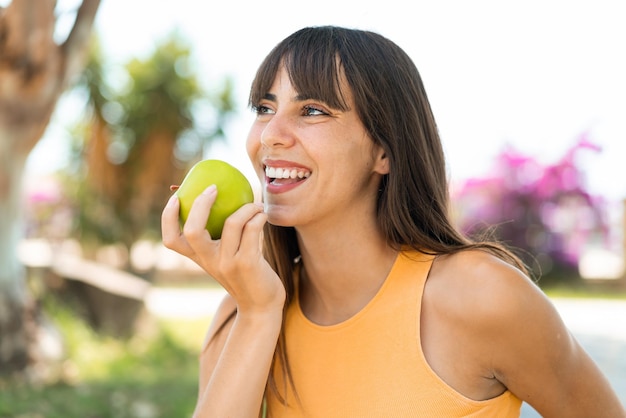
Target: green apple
x=233 y=191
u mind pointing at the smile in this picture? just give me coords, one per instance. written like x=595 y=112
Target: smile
x=279 y=173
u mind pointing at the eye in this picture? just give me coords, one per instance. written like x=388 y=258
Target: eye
x=310 y=110
x=262 y=110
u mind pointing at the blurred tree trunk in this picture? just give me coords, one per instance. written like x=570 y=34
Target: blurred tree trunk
x=136 y=189
x=34 y=72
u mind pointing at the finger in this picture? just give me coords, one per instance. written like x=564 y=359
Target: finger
x=195 y=225
x=170 y=229
x=234 y=228
x=252 y=233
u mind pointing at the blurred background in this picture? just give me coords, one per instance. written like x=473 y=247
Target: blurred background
x=102 y=321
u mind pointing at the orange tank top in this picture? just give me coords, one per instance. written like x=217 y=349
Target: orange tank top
x=372 y=365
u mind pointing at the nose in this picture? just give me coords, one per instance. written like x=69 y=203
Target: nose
x=278 y=132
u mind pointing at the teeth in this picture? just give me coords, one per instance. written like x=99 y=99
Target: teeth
x=285 y=173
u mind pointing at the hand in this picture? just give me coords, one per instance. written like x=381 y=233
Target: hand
x=236 y=260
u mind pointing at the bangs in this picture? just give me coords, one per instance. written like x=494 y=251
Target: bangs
x=312 y=61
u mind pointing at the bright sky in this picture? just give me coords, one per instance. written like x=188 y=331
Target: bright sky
x=535 y=74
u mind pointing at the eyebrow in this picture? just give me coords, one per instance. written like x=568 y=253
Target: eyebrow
x=298 y=98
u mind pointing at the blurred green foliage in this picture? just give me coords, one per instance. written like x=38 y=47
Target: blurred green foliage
x=151 y=375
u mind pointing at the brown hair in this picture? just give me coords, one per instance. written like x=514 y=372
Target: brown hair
x=391 y=102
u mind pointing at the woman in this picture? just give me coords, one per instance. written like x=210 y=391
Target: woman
x=350 y=292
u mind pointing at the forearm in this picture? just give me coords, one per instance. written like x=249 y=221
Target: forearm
x=237 y=384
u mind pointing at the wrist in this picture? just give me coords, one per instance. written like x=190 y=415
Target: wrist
x=262 y=316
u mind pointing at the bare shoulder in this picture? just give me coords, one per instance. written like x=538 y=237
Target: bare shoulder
x=475 y=307
x=479 y=284
x=512 y=333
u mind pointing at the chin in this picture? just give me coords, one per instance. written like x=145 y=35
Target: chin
x=278 y=216
x=279 y=221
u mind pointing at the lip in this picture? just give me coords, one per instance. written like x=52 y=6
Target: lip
x=282 y=188
x=283 y=163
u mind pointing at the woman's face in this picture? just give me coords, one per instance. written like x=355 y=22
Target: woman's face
x=316 y=164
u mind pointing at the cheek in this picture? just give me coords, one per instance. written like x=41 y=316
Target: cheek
x=253 y=148
x=253 y=143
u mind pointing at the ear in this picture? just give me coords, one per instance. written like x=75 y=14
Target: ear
x=381 y=163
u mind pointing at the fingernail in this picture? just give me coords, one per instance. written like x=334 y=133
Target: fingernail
x=210 y=190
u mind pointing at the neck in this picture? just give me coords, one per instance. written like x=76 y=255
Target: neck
x=343 y=273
